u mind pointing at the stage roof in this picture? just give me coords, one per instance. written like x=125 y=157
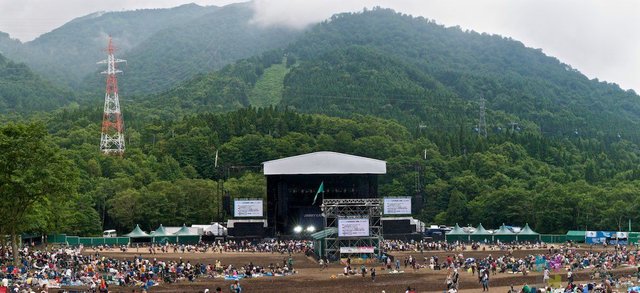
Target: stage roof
x=325 y=163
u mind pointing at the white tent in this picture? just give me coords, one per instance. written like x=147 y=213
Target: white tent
x=214 y=229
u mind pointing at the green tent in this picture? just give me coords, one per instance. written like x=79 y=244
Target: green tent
x=185 y=236
x=526 y=234
x=137 y=233
x=457 y=234
x=504 y=234
x=480 y=234
x=576 y=236
x=161 y=235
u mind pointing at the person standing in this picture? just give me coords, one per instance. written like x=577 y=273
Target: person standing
x=485 y=280
x=373 y=274
x=454 y=279
x=570 y=277
x=545 y=278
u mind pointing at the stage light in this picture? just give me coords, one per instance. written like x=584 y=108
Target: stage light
x=297 y=229
x=311 y=229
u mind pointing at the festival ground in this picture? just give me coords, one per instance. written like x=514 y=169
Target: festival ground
x=311 y=279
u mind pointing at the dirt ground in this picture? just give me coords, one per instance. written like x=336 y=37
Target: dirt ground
x=311 y=279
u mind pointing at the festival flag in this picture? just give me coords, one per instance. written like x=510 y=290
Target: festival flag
x=216 y=161
x=320 y=189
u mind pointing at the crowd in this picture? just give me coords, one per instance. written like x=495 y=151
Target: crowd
x=422 y=246
x=53 y=268
x=561 y=260
x=265 y=246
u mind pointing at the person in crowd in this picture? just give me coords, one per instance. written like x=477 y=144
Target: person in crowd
x=373 y=274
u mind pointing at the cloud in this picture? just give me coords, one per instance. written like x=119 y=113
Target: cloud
x=301 y=13
x=28 y=19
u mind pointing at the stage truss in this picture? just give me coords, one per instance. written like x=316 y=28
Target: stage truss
x=335 y=209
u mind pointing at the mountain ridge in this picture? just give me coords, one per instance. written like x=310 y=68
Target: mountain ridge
x=456 y=68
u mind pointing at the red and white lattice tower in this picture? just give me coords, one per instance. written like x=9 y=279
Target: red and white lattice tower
x=112 y=140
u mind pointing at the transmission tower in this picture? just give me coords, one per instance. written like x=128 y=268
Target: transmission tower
x=482 y=125
x=112 y=139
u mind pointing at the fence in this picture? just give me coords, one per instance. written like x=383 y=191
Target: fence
x=554 y=238
x=87 y=241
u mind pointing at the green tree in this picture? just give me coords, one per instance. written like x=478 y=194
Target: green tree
x=33 y=171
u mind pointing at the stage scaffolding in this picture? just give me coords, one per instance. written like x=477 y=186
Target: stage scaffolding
x=352 y=208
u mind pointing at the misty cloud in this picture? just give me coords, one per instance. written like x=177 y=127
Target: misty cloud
x=301 y=13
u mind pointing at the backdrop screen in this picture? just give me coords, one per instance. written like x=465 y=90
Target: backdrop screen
x=397 y=205
x=247 y=208
x=353 y=227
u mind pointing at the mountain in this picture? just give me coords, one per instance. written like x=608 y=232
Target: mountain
x=462 y=67
x=201 y=45
x=69 y=53
x=413 y=70
x=163 y=47
x=22 y=90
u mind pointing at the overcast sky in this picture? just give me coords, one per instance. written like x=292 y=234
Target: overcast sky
x=601 y=38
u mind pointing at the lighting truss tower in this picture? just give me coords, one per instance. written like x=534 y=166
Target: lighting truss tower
x=112 y=139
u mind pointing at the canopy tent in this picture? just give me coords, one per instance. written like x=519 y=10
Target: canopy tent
x=576 y=236
x=137 y=233
x=504 y=234
x=526 y=234
x=161 y=235
x=184 y=231
x=457 y=234
x=186 y=236
x=480 y=234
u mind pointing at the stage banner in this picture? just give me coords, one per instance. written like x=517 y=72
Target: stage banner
x=357 y=249
x=353 y=227
x=247 y=208
x=397 y=205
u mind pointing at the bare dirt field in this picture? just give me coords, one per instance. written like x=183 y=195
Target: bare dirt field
x=311 y=279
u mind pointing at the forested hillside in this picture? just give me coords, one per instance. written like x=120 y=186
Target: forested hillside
x=69 y=53
x=22 y=90
x=163 y=47
x=511 y=177
x=561 y=151
x=461 y=66
x=384 y=63
x=201 y=45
